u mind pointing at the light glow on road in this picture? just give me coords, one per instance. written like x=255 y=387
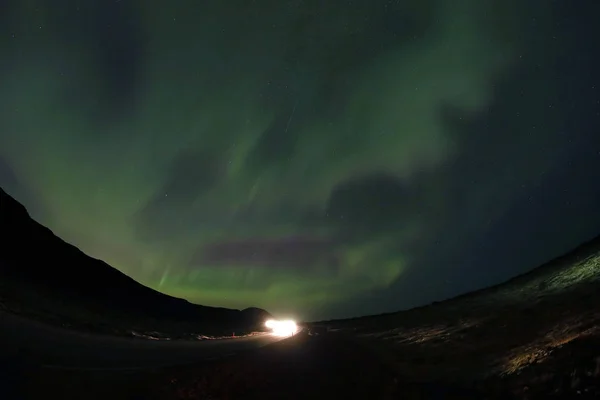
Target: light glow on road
x=282 y=328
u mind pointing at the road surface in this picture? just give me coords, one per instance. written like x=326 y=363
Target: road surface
x=59 y=347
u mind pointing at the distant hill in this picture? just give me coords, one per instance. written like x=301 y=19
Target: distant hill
x=32 y=255
x=561 y=275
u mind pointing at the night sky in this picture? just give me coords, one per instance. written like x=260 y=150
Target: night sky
x=316 y=158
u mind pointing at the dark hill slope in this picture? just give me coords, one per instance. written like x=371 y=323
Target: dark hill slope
x=32 y=255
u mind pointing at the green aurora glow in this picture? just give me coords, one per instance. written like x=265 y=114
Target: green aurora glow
x=255 y=123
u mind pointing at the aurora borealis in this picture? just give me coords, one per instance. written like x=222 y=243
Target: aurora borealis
x=319 y=159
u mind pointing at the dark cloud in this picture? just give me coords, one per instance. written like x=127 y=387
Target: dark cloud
x=110 y=38
x=368 y=205
x=295 y=253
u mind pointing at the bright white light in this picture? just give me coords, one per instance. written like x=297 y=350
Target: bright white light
x=282 y=328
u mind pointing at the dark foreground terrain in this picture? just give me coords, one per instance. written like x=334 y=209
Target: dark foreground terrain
x=66 y=348
x=320 y=368
x=534 y=337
